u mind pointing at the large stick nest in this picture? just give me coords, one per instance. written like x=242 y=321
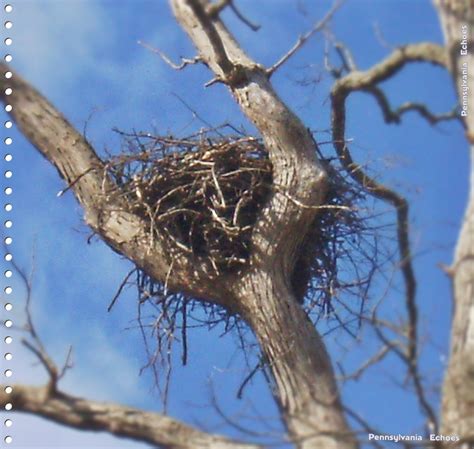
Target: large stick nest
x=203 y=195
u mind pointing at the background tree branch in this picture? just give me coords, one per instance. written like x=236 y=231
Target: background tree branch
x=367 y=81
x=457 y=20
x=121 y=421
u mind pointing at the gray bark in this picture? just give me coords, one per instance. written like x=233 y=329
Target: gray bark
x=458 y=389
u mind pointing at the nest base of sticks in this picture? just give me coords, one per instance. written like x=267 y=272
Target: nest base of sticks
x=204 y=194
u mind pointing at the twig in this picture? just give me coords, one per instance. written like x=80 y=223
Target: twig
x=303 y=38
x=395 y=115
x=381 y=38
x=184 y=61
x=68 y=363
x=247 y=22
x=345 y=55
x=307 y=206
x=45 y=360
x=184 y=330
x=214 y=9
x=165 y=286
x=72 y=184
x=249 y=377
x=120 y=289
x=367 y=364
x=194 y=112
x=36 y=345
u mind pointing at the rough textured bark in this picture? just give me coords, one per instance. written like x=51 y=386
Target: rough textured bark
x=305 y=385
x=458 y=389
x=127 y=422
x=304 y=380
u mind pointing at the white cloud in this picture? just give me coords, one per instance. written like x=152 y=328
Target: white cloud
x=51 y=39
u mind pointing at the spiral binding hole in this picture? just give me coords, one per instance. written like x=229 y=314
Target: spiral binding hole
x=8 y=223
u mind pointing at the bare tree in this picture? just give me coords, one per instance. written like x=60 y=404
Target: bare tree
x=261 y=293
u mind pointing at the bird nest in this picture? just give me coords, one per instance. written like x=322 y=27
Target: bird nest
x=203 y=195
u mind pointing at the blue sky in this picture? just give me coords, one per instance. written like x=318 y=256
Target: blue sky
x=83 y=55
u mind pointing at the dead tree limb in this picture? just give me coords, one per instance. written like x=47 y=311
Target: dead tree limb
x=367 y=81
x=121 y=421
x=51 y=403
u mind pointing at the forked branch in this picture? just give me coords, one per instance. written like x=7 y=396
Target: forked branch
x=367 y=81
x=391 y=115
x=305 y=385
x=318 y=26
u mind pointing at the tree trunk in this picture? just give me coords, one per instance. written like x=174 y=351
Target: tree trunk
x=457 y=19
x=305 y=387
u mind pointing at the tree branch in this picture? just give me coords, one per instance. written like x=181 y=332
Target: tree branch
x=50 y=403
x=367 y=81
x=184 y=61
x=121 y=421
x=376 y=358
x=105 y=212
x=304 y=38
x=422 y=52
x=395 y=115
x=242 y=18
